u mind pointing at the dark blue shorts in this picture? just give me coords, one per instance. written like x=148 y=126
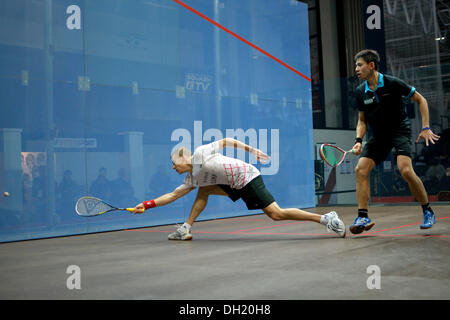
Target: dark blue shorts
x=378 y=147
x=254 y=194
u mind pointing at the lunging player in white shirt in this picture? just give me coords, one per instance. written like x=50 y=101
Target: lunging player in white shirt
x=216 y=174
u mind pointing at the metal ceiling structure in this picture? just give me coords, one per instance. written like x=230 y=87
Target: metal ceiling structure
x=418 y=50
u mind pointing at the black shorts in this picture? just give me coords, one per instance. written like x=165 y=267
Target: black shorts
x=378 y=147
x=254 y=194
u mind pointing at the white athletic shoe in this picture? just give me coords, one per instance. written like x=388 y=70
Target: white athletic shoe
x=335 y=224
x=182 y=233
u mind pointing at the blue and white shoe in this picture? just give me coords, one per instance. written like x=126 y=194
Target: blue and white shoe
x=428 y=220
x=361 y=224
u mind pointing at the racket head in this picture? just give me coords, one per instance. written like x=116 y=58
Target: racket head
x=331 y=154
x=91 y=206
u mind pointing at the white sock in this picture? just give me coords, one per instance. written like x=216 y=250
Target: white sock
x=324 y=220
x=187 y=226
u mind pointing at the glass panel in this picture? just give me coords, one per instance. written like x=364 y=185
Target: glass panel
x=102 y=91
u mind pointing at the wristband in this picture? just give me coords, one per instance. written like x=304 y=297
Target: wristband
x=426 y=128
x=149 y=204
x=358 y=140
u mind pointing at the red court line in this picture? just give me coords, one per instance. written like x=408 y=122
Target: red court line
x=249 y=231
x=272 y=226
x=146 y=230
x=399 y=227
x=241 y=219
x=242 y=233
x=290 y=233
x=331 y=235
x=413 y=235
x=393 y=228
x=225 y=232
x=240 y=38
x=194 y=232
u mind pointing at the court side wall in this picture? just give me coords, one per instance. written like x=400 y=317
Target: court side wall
x=95 y=95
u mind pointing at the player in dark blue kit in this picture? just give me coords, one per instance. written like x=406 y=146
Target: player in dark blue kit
x=379 y=101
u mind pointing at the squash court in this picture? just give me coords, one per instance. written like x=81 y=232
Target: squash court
x=240 y=258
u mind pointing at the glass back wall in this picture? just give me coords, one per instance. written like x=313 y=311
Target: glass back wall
x=95 y=95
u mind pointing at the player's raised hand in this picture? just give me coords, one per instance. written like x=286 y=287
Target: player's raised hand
x=428 y=136
x=260 y=156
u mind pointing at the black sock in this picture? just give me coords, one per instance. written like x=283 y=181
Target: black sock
x=426 y=207
x=363 y=213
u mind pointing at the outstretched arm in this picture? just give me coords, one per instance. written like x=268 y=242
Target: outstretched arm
x=426 y=132
x=229 y=142
x=162 y=200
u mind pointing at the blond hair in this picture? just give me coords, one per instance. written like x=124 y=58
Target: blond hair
x=180 y=152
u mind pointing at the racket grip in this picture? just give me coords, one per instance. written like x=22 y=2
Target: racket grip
x=133 y=210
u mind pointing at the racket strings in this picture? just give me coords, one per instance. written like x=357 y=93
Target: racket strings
x=332 y=155
x=91 y=206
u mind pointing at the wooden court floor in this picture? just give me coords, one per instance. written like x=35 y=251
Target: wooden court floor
x=242 y=258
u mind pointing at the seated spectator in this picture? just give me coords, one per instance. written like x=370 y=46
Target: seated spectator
x=121 y=190
x=434 y=176
x=68 y=191
x=101 y=187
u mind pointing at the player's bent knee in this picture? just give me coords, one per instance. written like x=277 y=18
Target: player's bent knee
x=364 y=167
x=406 y=172
x=362 y=171
x=274 y=214
x=276 y=217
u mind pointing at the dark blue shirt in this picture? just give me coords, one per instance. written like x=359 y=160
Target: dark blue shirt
x=383 y=107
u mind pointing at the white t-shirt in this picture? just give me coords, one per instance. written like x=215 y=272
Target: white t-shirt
x=210 y=167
